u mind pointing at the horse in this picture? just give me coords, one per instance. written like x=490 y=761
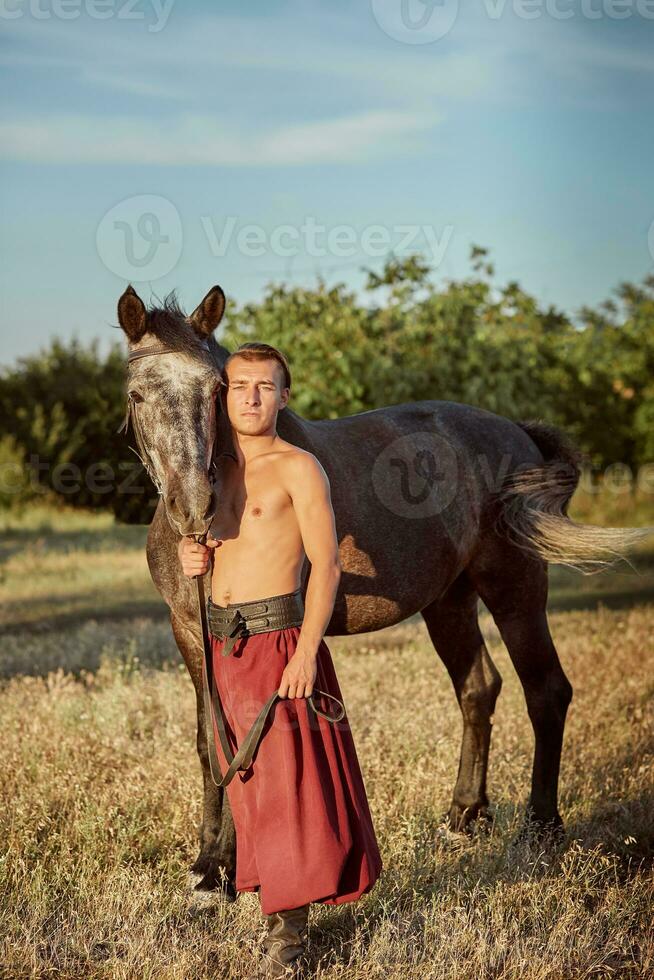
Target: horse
x=437 y=504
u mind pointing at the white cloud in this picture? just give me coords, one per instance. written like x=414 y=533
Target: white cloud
x=137 y=86
x=204 y=140
x=200 y=54
x=208 y=81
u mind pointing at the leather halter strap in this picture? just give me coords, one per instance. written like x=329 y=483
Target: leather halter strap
x=152 y=349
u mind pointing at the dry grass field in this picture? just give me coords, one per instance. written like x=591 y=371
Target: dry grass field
x=101 y=787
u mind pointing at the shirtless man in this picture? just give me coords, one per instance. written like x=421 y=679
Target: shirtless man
x=274 y=509
x=275 y=506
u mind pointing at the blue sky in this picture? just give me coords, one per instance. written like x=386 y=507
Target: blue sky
x=131 y=145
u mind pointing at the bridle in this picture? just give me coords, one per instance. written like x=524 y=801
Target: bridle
x=132 y=415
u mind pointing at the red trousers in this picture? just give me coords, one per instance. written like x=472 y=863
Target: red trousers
x=303 y=827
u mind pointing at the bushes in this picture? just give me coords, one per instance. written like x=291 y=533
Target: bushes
x=60 y=410
x=467 y=341
x=14 y=474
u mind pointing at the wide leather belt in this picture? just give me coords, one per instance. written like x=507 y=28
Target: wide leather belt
x=240 y=619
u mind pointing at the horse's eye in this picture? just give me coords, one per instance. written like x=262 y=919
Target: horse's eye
x=136 y=396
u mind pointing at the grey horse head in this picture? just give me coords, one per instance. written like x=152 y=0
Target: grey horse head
x=174 y=398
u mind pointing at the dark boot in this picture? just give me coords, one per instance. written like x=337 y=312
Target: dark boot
x=285 y=943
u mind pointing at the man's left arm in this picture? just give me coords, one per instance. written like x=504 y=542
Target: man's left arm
x=311 y=495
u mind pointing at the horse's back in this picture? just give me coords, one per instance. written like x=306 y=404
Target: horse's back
x=480 y=438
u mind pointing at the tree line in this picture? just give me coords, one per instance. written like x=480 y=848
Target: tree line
x=468 y=341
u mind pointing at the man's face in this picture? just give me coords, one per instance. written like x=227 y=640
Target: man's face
x=254 y=394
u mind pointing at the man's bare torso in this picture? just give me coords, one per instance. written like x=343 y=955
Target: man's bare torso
x=260 y=553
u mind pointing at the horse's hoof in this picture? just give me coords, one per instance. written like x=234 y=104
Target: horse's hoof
x=544 y=832
x=211 y=888
x=468 y=820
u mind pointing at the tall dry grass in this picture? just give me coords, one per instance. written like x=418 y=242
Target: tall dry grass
x=101 y=788
x=101 y=795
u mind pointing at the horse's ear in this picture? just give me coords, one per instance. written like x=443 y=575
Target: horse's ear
x=209 y=313
x=131 y=315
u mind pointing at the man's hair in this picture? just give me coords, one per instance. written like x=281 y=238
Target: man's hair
x=262 y=352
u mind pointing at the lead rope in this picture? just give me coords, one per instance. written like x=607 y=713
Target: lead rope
x=242 y=760
x=210 y=691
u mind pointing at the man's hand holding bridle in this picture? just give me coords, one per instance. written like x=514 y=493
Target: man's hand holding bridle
x=195 y=558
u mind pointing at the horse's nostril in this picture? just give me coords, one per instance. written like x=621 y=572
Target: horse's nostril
x=175 y=506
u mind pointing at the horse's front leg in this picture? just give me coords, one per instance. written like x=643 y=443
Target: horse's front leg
x=215 y=866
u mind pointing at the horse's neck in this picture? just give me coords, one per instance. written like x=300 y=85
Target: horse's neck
x=294 y=429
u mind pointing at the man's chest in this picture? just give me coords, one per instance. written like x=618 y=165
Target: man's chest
x=250 y=504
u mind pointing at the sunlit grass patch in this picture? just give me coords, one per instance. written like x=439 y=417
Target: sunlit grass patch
x=101 y=793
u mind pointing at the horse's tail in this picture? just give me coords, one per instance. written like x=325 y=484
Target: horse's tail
x=534 y=502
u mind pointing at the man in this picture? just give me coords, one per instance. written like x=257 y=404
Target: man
x=303 y=827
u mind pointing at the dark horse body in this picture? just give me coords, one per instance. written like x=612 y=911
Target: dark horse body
x=437 y=504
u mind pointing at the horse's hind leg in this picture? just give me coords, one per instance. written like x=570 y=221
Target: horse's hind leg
x=454 y=630
x=513 y=584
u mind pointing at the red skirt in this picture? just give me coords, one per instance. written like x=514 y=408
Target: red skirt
x=303 y=827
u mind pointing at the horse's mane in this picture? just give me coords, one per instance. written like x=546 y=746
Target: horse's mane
x=167 y=322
